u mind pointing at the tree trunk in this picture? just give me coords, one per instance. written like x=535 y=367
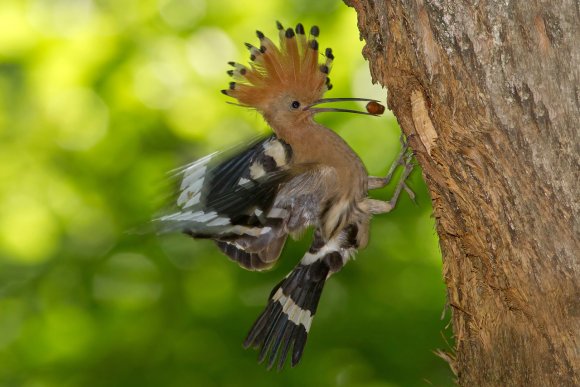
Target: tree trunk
x=489 y=93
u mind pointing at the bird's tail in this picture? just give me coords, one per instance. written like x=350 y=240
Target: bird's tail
x=284 y=325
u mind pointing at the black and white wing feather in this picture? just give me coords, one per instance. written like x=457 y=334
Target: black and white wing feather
x=232 y=200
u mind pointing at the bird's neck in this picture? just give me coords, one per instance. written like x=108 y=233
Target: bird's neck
x=315 y=144
x=312 y=142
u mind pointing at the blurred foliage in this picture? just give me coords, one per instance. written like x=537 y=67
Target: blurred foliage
x=99 y=99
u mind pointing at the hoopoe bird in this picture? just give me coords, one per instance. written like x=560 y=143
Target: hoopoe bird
x=304 y=175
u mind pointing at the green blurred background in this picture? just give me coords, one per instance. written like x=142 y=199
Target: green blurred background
x=99 y=99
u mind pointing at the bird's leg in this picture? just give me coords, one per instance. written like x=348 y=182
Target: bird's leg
x=375 y=206
x=403 y=158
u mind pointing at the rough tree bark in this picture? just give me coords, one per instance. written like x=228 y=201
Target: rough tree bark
x=489 y=92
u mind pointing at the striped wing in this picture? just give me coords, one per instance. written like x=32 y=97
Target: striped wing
x=231 y=201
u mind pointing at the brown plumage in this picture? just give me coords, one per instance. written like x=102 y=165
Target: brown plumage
x=304 y=175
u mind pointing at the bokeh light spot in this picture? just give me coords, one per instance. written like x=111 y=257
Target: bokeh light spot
x=80 y=118
x=161 y=75
x=181 y=13
x=127 y=280
x=209 y=50
x=16 y=33
x=61 y=17
x=28 y=230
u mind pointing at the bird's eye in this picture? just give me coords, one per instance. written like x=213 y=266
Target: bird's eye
x=295 y=104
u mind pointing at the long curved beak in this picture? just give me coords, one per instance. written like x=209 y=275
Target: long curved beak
x=374 y=108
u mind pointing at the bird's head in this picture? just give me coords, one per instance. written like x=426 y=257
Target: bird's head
x=285 y=83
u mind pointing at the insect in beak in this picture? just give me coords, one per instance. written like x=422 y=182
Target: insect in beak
x=374 y=108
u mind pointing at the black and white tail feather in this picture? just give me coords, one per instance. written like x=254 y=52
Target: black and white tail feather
x=249 y=203
x=284 y=325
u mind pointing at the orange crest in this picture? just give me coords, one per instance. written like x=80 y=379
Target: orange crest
x=292 y=68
